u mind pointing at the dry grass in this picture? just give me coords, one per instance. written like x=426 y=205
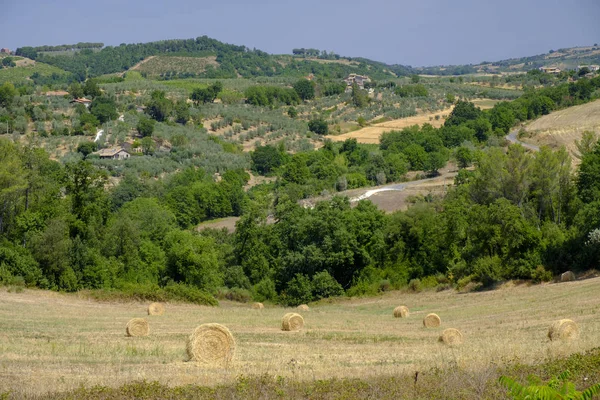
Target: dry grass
x=371 y=134
x=564 y=127
x=156 y=309
x=55 y=342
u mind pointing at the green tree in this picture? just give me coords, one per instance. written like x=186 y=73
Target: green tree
x=76 y=90
x=292 y=112
x=360 y=98
x=145 y=126
x=7 y=94
x=194 y=260
x=87 y=148
x=104 y=109
x=588 y=179
x=318 y=126
x=90 y=88
x=206 y=95
x=305 y=89
x=463 y=111
x=464 y=157
x=266 y=158
x=182 y=112
x=159 y=107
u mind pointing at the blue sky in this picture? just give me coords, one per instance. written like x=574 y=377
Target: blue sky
x=416 y=32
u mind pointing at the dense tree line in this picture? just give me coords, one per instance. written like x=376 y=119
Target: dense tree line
x=233 y=60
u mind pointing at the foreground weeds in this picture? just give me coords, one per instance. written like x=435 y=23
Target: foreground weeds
x=450 y=383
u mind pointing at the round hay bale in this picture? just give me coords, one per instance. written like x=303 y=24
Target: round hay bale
x=565 y=329
x=137 y=327
x=258 y=306
x=156 y=309
x=401 y=312
x=431 y=321
x=211 y=344
x=567 y=276
x=292 y=322
x=303 y=307
x=451 y=336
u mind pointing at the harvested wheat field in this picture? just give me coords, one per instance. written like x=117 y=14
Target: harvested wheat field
x=55 y=342
x=371 y=134
x=564 y=127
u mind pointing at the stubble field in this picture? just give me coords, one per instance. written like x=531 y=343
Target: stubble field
x=54 y=342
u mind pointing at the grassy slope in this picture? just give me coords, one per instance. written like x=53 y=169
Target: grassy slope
x=17 y=74
x=565 y=127
x=57 y=342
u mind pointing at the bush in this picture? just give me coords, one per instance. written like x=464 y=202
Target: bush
x=299 y=290
x=264 y=290
x=235 y=294
x=318 y=126
x=540 y=274
x=151 y=292
x=415 y=285
x=325 y=285
x=488 y=270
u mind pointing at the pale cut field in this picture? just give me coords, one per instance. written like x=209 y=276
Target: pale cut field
x=564 y=127
x=54 y=342
x=371 y=134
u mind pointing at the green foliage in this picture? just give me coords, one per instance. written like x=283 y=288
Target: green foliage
x=411 y=91
x=87 y=148
x=7 y=94
x=265 y=159
x=324 y=285
x=299 y=290
x=318 y=126
x=104 y=109
x=206 y=95
x=557 y=388
x=292 y=112
x=271 y=96
x=159 y=107
x=145 y=126
x=305 y=89
x=360 y=98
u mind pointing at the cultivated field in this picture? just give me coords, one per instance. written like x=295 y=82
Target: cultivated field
x=54 y=342
x=156 y=65
x=371 y=134
x=564 y=127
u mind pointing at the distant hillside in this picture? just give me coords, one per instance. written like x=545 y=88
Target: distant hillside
x=230 y=61
x=568 y=58
x=204 y=57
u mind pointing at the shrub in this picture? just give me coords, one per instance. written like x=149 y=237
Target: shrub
x=318 y=126
x=235 y=294
x=540 y=274
x=325 y=285
x=299 y=290
x=264 y=290
x=415 y=285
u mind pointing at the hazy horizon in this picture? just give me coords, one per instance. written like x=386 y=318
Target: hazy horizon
x=429 y=33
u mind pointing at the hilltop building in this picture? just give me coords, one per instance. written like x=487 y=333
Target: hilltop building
x=4 y=50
